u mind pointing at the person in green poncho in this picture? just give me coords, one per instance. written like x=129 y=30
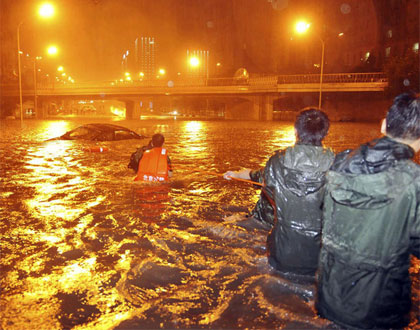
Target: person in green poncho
x=371 y=226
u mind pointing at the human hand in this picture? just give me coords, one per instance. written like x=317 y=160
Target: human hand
x=229 y=175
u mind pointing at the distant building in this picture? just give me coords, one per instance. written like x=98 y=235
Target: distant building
x=8 y=53
x=139 y=62
x=198 y=65
x=359 y=35
x=145 y=57
x=398 y=27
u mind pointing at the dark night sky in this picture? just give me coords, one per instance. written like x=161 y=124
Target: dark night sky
x=93 y=34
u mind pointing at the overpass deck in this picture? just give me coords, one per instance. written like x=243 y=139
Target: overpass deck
x=269 y=84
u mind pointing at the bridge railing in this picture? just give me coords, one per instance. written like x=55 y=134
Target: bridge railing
x=263 y=81
x=332 y=78
x=270 y=81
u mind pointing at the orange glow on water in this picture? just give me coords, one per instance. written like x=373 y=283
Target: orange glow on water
x=55 y=128
x=85 y=248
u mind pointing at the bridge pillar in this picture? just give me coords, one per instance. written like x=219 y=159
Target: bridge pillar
x=258 y=107
x=132 y=109
x=240 y=109
x=267 y=108
x=43 y=108
x=40 y=109
x=263 y=107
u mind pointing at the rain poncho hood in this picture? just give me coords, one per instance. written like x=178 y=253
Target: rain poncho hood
x=371 y=225
x=295 y=180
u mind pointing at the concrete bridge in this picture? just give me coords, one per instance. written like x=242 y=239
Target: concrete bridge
x=253 y=96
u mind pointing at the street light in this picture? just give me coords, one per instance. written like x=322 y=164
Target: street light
x=301 y=27
x=19 y=72
x=194 y=61
x=35 y=84
x=52 y=50
x=37 y=58
x=46 y=10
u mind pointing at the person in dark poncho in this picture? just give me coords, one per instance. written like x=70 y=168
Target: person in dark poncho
x=371 y=225
x=294 y=181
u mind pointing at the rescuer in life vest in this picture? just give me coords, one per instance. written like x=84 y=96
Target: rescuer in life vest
x=152 y=162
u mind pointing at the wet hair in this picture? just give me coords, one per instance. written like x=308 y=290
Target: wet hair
x=403 y=117
x=157 y=140
x=311 y=126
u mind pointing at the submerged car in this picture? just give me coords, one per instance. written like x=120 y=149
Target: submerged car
x=100 y=132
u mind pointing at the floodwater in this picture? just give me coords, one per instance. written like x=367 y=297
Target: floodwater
x=85 y=247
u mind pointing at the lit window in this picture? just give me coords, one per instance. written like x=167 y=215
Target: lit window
x=387 y=51
x=389 y=33
x=416 y=47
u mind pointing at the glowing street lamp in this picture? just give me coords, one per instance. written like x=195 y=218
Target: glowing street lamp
x=46 y=10
x=52 y=50
x=198 y=64
x=162 y=71
x=302 y=27
x=194 y=61
x=37 y=58
x=60 y=68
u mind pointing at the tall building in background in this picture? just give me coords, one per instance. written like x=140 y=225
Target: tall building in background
x=398 y=28
x=124 y=61
x=139 y=62
x=145 y=57
x=359 y=35
x=8 y=54
x=198 y=65
x=237 y=34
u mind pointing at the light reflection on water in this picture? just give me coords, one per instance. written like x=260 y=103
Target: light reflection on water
x=85 y=247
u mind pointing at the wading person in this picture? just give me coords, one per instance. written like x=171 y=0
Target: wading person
x=151 y=162
x=371 y=225
x=294 y=180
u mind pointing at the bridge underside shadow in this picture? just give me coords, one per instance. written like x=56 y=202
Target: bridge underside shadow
x=259 y=107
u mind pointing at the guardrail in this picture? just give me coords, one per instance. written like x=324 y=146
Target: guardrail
x=252 y=82
x=333 y=78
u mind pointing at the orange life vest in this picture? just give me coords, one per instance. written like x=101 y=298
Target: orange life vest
x=153 y=166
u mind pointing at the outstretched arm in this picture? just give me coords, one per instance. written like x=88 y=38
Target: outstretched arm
x=242 y=174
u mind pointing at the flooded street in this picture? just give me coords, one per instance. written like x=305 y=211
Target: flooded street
x=85 y=247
